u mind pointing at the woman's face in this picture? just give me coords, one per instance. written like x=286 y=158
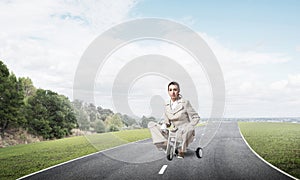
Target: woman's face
x=173 y=92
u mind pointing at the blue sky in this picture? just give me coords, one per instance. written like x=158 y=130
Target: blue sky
x=257 y=44
x=239 y=23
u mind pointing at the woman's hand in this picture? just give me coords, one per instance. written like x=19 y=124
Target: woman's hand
x=163 y=127
x=168 y=124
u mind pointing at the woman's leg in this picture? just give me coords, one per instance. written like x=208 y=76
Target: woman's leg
x=187 y=138
x=157 y=135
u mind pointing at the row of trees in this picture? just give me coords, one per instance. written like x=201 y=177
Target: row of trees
x=41 y=112
x=96 y=119
x=51 y=115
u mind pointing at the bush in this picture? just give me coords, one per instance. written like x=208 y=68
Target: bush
x=112 y=128
x=100 y=127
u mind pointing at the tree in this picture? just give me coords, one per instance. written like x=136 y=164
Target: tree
x=82 y=119
x=81 y=115
x=127 y=120
x=99 y=126
x=11 y=100
x=114 y=123
x=28 y=88
x=77 y=104
x=145 y=121
x=91 y=111
x=50 y=114
x=104 y=113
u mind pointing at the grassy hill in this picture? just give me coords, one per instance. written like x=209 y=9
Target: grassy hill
x=277 y=143
x=17 y=161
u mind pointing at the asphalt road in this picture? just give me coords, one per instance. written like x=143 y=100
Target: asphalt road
x=226 y=156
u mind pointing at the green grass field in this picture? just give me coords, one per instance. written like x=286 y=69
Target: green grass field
x=277 y=143
x=17 y=161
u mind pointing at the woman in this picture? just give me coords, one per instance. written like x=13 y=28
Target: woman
x=181 y=114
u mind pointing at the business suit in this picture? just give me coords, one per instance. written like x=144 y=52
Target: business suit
x=183 y=116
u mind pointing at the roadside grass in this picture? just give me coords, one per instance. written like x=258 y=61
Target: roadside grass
x=108 y=140
x=277 y=143
x=201 y=124
x=17 y=161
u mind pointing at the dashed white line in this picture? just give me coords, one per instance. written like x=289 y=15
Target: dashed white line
x=162 y=170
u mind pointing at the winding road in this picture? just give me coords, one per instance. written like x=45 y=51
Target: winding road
x=226 y=156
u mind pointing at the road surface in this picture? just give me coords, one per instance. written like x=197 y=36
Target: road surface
x=226 y=156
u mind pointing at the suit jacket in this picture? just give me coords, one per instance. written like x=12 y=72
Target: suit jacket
x=182 y=116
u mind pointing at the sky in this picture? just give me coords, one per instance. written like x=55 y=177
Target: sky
x=256 y=43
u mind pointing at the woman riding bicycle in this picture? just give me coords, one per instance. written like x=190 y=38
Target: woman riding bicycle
x=180 y=113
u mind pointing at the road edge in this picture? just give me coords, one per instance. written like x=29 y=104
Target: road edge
x=66 y=162
x=257 y=155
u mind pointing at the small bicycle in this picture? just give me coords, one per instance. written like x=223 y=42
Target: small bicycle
x=174 y=144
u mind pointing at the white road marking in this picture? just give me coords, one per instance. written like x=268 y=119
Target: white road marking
x=162 y=170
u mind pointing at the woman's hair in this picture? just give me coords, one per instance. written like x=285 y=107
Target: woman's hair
x=174 y=83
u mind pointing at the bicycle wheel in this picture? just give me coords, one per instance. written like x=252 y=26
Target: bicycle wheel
x=170 y=154
x=199 y=152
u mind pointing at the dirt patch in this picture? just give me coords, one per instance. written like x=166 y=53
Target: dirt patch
x=18 y=136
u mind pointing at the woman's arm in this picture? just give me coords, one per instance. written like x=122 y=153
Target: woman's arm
x=167 y=121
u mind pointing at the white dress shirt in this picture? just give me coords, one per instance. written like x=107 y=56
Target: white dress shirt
x=174 y=104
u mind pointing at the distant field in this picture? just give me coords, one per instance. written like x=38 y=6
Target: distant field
x=20 y=160
x=277 y=143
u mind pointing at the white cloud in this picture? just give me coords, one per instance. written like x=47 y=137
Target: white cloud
x=44 y=40
x=255 y=83
x=188 y=20
x=242 y=58
x=279 y=85
x=294 y=80
x=152 y=84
